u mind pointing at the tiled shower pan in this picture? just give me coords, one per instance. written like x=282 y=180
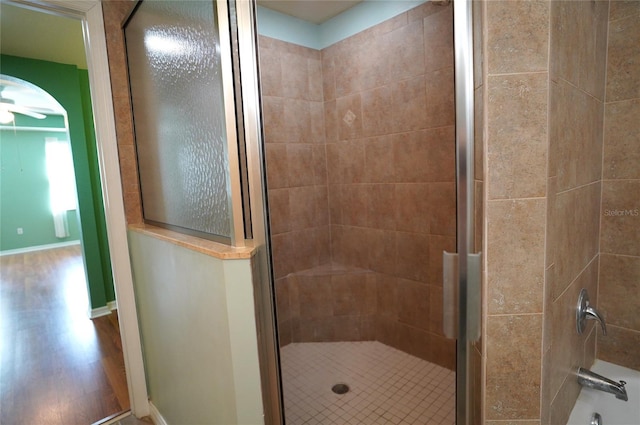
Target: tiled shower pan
x=385 y=385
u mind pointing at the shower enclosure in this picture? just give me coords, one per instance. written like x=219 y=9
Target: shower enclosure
x=363 y=199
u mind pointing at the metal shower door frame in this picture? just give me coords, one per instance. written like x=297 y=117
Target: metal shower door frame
x=469 y=269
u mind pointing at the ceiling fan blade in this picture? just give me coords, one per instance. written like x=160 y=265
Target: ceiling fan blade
x=24 y=111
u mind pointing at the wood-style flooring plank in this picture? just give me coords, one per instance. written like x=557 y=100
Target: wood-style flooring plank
x=57 y=366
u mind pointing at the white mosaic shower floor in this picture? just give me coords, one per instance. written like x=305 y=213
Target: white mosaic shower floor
x=387 y=386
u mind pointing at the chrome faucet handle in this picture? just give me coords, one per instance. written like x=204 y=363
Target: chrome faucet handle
x=585 y=311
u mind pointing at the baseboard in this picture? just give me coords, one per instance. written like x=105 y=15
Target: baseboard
x=103 y=311
x=38 y=248
x=156 y=417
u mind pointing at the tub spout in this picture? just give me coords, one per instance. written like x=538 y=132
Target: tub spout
x=586 y=378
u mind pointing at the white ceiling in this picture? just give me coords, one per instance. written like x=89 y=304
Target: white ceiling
x=315 y=11
x=38 y=35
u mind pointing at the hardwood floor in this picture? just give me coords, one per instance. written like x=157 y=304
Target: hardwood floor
x=56 y=365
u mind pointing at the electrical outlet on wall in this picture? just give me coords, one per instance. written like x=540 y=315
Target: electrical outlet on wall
x=20 y=231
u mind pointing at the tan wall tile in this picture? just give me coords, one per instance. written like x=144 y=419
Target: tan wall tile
x=425 y=156
x=438 y=37
x=623 y=59
x=285 y=334
x=623 y=8
x=319 y=165
x=314 y=330
x=563 y=403
x=515 y=256
x=279 y=208
x=314 y=296
x=330 y=121
x=277 y=165
x=440 y=110
x=575 y=223
x=622 y=140
x=517 y=36
x=297 y=121
x=413 y=303
x=619 y=290
x=315 y=90
x=408 y=104
x=409 y=61
x=270 y=70
x=576 y=130
x=442 y=215
x=347 y=72
x=283 y=299
x=282 y=246
x=273 y=114
x=413 y=207
x=387 y=300
x=316 y=111
x=346 y=162
x=347 y=246
x=354 y=210
x=381 y=203
x=328 y=77
x=620 y=223
x=387 y=331
x=376 y=111
x=378 y=167
x=412 y=256
x=579 y=44
x=374 y=64
x=513 y=366
x=443 y=352
x=303 y=208
x=435 y=310
x=349 y=116
x=300 y=165
x=517 y=135
x=620 y=346
x=364 y=176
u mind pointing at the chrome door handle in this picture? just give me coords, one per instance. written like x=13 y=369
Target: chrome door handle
x=585 y=311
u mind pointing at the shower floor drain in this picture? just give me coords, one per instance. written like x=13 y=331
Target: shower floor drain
x=340 y=388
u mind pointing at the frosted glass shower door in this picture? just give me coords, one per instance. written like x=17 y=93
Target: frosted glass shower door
x=178 y=54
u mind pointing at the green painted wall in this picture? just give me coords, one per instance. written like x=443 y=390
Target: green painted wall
x=69 y=87
x=94 y=170
x=25 y=192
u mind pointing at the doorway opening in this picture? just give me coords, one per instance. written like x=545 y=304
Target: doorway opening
x=75 y=366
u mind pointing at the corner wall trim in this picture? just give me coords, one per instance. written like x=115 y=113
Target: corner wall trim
x=38 y=248
x=156 y=417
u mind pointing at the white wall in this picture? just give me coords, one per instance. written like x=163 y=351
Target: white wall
x=197 y=321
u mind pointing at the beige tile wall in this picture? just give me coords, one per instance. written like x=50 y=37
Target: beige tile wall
x=291 y=82
x=619 y=282
x=516 y=98
x=391 y=169
x=546 y=197
x=385 y=200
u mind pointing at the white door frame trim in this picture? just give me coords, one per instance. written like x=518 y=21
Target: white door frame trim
x=90 y=13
